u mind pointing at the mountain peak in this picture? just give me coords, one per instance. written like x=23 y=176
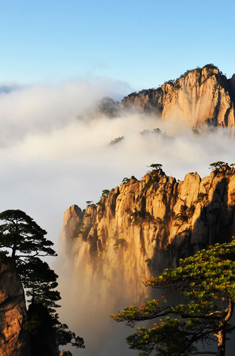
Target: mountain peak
x=199 y=96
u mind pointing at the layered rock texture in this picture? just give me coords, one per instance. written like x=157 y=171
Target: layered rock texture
x=13 y=339
x=199 y=96
x=141 y=227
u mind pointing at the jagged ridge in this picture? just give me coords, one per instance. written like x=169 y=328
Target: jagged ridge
x=199 y=96
x=143 y=226
x=202 y=95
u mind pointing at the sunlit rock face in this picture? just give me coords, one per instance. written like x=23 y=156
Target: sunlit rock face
x=203 y=95
x=141 y=227
x=13 y=339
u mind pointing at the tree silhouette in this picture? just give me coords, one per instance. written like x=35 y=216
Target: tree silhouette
x=156 y=166
x=23 y=236
x=23 y=242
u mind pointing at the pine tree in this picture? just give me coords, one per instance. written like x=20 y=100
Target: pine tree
x=23 y=243
x=207 y=283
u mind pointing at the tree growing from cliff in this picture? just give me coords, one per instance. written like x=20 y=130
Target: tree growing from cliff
x=207 y=282
x=40 y=283
x=156 y=166
x=23 y=243
x=215 y=166
x=105 y=193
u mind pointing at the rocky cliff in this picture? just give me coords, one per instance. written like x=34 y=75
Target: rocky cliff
x=13 y=340
x=142 y=226
x=202 y=95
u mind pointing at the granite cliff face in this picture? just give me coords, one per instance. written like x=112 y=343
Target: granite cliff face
x=143 y=226
x=202 y=95
x=13 y=339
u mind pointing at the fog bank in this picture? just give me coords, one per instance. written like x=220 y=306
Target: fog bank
x=54 y=153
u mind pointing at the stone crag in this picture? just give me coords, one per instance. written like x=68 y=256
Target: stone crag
x=203 y=95
x=14 y=341
x=141 y=227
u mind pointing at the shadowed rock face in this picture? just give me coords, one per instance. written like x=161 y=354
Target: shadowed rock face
x=143 y=226
x=13 y=339
x=203 y=95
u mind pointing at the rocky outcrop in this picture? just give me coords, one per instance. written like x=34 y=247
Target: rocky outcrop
x=13 y=339
x=202 y=95
x=142 y=226
x=71 y=220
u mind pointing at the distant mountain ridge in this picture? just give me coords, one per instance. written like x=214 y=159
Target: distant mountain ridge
x=199 y=96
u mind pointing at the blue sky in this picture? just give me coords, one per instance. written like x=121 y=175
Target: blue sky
x=141 y=42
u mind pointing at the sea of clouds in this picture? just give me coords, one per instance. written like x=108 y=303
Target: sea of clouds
x=55 y=152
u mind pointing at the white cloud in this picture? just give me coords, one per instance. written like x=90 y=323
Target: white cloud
x=46 y=146
x=47 y=150
x=51 y=158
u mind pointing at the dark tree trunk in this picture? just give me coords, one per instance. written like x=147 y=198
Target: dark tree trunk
x=222 y=333
x=221 y=343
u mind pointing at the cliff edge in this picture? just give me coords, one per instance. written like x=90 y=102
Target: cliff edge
x=200 y=96
x=141 y=227
x=14 y=341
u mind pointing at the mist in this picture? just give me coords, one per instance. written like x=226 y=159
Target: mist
x=55 y=151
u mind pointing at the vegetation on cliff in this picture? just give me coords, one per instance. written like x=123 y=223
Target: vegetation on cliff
x=207 y=281
x=144 y=226
x=22 y=243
